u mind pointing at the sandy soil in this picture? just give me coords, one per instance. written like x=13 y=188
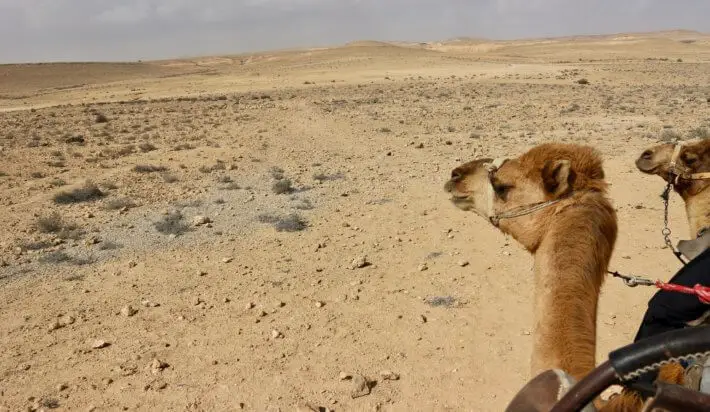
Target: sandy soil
x=187 y=235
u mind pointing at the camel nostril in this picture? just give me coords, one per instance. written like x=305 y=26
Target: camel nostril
x=647 y=155
x=456 y=175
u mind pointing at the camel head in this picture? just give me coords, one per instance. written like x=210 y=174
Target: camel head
x=687 y=167
x=691 y=158
x=520 y=194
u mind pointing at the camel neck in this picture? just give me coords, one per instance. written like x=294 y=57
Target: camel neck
x=570 y=266
x=697 y=209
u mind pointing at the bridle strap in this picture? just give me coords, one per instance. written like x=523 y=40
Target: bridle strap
x=522 y=211
x=514 y=212
x=492 y=168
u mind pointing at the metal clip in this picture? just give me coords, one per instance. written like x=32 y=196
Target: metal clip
x=634 y=281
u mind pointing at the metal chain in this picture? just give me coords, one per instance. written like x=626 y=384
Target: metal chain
x=666 y=232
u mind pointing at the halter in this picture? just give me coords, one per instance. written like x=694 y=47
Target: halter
x=676 y=172
x=495 y=218
x=680 y=171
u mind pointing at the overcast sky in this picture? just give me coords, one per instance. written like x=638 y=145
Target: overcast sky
x=70 y=30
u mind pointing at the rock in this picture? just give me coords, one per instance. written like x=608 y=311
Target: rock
x=358 y=262
x=99 y=344
x=200 y=220
x=132 y=264
x=62 y=386
x=149 y=304
x=61 y=322
x=201 y=273
x=319 y=304
x=345 y=376
x=276 y=334
x=227 y=260
x=308 y=407
x=360 y=387
x=388 y=375
x=463 y=263
x=128 y=311
x=249 y=305
x=422 y=267
x=156 y=366
x=55 y=325
x=422 y=318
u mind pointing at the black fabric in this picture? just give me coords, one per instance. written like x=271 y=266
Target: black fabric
x=672 y=310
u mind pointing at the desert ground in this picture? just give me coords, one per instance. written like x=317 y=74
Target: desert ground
x=257 y=232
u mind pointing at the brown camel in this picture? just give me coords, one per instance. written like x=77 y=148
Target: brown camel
x=690 y=176
x=552 y=199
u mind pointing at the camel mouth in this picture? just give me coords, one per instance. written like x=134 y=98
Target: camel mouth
x=646 y=166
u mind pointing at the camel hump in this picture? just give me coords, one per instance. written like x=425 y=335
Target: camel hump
x=543 y=391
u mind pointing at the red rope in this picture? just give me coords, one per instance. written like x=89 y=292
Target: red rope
x=702 y=292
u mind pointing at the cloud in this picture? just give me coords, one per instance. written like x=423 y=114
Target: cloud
x=41 y=30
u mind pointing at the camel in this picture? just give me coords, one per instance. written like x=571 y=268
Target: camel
x=553 y=201
x=692 y=162
x=686 y=166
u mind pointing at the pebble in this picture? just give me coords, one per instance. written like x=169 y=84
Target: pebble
x=99 y=344
x=156 y=366
x=360 y=387
x=249 y=305
x=61 y=322
x=422 y=318
x=319 y=304
x=201 y=273
x=358 y=262
x=200 y=220
x=149 y=304
x=227 y=260
x=463 y=263
x=128 y=311
x=388 y=375
x=276 y=334
x=62 y=386
x=345 y=376
x=307 y=407
x=132 y=264
x=422 y=267
x=196 y=300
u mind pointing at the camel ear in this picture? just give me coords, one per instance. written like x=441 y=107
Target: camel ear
x=557 y=177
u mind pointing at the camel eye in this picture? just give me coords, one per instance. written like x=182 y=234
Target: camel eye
x=689 y=159
x=501 y=190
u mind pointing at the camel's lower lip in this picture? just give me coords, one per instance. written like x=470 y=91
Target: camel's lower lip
x=651 y=170
x=458 y=196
